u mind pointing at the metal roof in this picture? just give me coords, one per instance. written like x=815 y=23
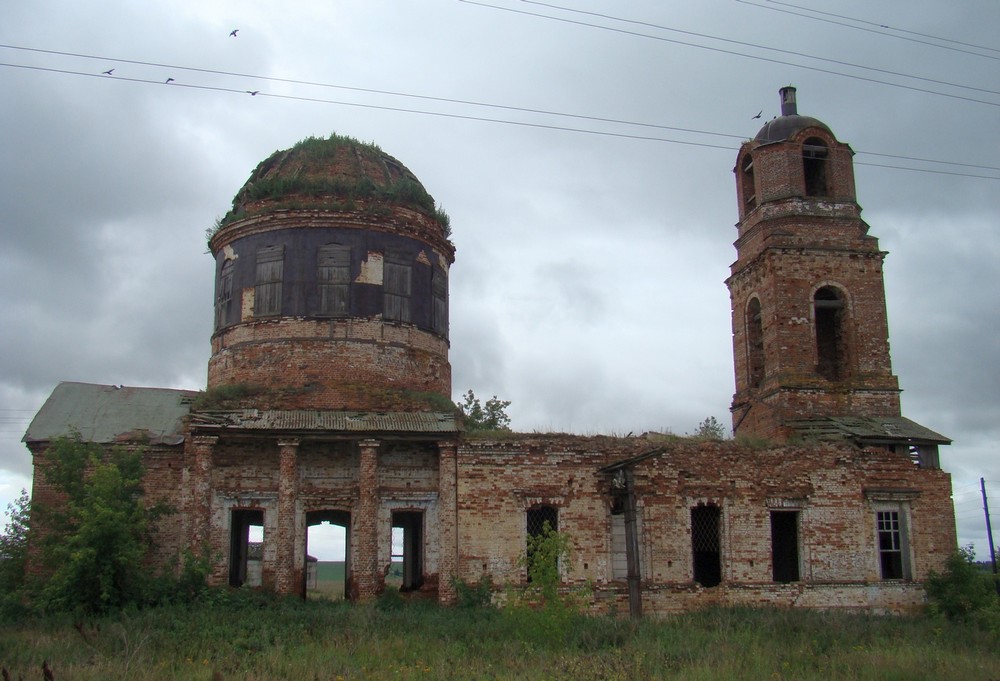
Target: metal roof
x=868 y=430
x=112 y=413
x=344 y=421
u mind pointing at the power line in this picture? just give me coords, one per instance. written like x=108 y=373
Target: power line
x=884 y=27
x=563 y=128
x=740 y=54
x=764 y=47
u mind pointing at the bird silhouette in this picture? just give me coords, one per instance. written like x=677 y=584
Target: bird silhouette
x=108 y=72
x=232 y=33
x=169 y=80
x=759 y=113
x=252 y=92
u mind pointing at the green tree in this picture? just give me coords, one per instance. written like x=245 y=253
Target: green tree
x=491 y=416
x=710 y=429
x=14 y=549
x=95 y=540
x=544 y=552
x=963 y=592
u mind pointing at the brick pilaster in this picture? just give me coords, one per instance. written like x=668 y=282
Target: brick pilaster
x=289 y=573
x=367 y=576
x=201 y=491
x=448 y=521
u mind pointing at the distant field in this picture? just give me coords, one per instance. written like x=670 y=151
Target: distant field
x=330 y=578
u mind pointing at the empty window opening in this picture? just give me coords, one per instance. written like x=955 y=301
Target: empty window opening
x=540 y=520
x=246 y=547
x=407 y=554
x=892 y=548
x=396 y=285
x=815 y=162
x=785 y=546
x=705 y=545
x=831 y=338
x=619 y=547
x=327 y=554
x=747 y=180
x=439 y=292
x=267 y=288
x=755 y=343
x=224 y=297
x=334 y=279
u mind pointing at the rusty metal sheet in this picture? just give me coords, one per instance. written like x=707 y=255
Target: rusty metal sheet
x=868 y=429
x=349 y=421
x=112 y=413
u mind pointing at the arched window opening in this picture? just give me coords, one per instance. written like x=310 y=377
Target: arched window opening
x=815 y=161
x=755 y=343
x=747 y=183
x=831 y=339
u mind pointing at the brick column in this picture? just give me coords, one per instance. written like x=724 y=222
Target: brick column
x=289 y=571
x=447 y=521
x=367 y=576
x=200 y=513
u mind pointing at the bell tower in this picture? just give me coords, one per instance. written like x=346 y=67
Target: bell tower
x=810 y=336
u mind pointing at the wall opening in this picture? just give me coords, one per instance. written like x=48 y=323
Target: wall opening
x=815 y=162
x=328 y=554
x=408 y=549
x=893 y=550
x=396 y=286
x=747 y=184
x=619 y=547
x=537 y=520
x=755 y=343
x=785 y=546
x=268 y=281
x=246 y=545
x=831 y=336
x=705 y=545
x=333 y=262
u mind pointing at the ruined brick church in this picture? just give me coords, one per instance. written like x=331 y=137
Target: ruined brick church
x=329 y=400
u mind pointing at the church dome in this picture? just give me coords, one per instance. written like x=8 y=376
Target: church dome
x=789 y=122
x=334 y=173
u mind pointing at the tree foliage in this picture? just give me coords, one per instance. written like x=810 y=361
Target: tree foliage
x=95 y=540
x=14 y=548
x=710 y=429
x=478 y=417
x=964 y=592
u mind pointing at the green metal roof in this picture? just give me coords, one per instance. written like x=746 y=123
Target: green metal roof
x=112 y=413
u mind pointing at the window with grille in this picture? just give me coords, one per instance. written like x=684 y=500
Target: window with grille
x=224 y=298
x=890 y=528
x=396 y=283
x=334 y=279
x=439 y=293
x=705 y=545
x=267 y=289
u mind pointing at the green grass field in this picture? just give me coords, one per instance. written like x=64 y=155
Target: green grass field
x=251 y=636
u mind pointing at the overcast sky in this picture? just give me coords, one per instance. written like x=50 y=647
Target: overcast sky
x=585 y=158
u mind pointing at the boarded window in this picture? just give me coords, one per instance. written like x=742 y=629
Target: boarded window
x=439 y=292
x=619 y=538
x=705 y=545
x=815 y=162
x=831 y=337
x=334 y=279
x=270 y=270
x=892 y=544
x=224 y=297
x=755 y=343
x=785 y=546
x=396 y=284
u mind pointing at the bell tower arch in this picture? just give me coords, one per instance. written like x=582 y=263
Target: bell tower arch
x=810 y=336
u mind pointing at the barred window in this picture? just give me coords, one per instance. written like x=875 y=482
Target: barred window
x=705 y=545
x=540 y=520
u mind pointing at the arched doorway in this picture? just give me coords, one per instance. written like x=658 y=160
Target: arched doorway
x=328 y=554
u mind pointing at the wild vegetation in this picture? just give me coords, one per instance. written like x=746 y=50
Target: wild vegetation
x=478 y=417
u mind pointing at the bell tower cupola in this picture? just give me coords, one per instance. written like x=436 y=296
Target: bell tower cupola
x=810 y=336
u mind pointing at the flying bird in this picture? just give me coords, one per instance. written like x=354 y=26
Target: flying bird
x=252 y=92
x=108 y=72
x=169 y=80
x=232 y=33
x=759 y=113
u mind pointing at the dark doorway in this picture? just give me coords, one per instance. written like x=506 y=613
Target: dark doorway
x=539 y=521
x=785 y=546
x=408 y=526
x=241 y=552
x=705 y=545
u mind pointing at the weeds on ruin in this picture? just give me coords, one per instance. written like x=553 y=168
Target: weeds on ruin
x=965 y=593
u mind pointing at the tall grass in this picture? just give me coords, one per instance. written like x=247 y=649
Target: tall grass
x=251 y=636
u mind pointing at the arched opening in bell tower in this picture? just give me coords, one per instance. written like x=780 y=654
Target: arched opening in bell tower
x=815 y=159
x=831 y=336
x=755 y=343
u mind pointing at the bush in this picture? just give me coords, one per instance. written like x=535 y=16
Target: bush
x=963 y=592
